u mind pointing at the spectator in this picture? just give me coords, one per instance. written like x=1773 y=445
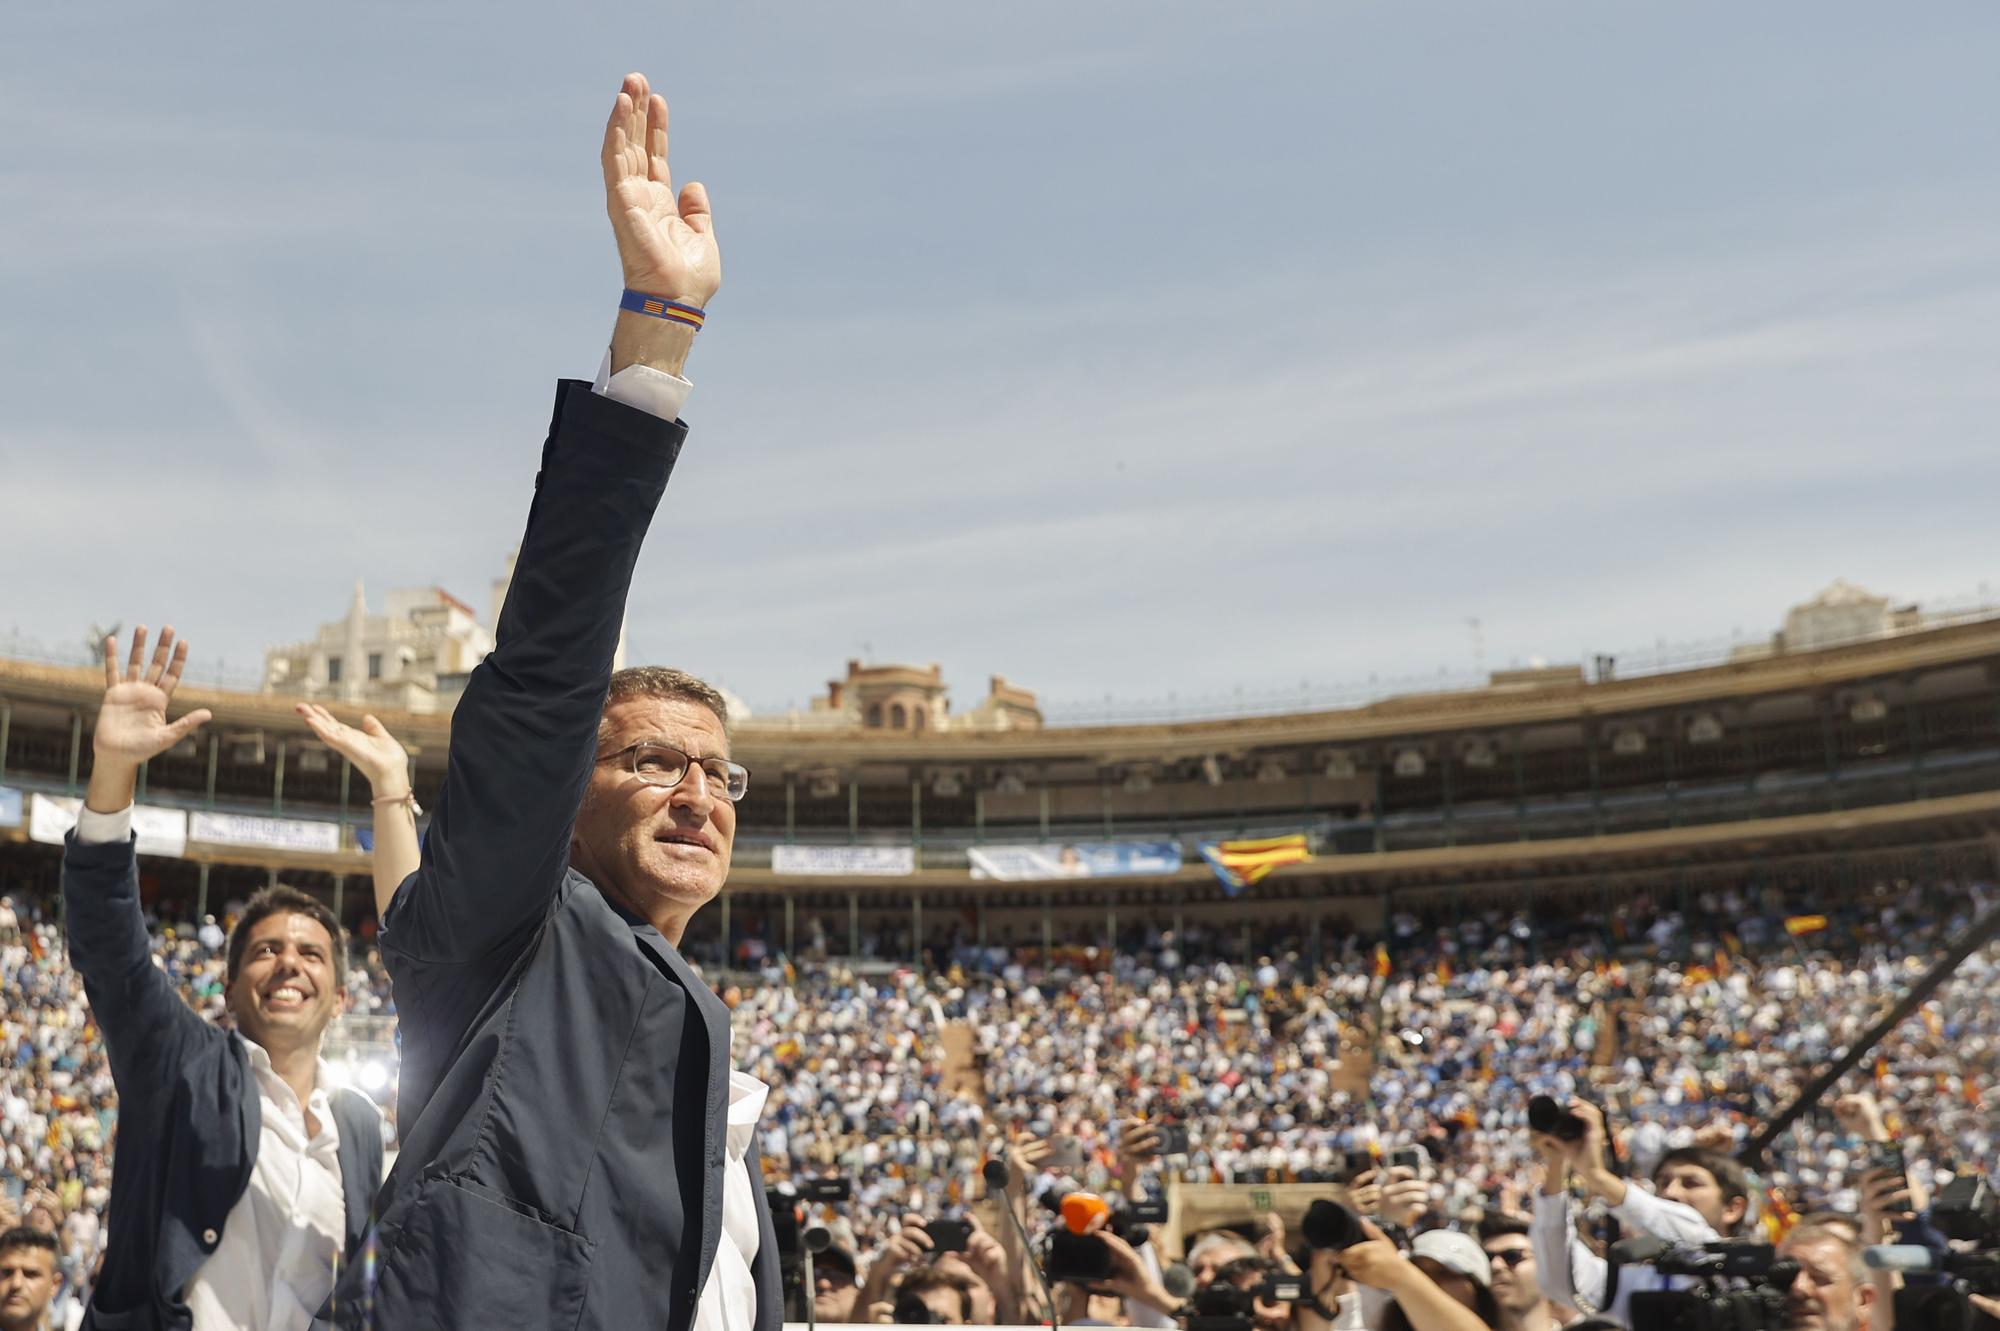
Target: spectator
x=931 y=1295
x=1517 y=1294
x=28 y=1278
x=1702 y=1196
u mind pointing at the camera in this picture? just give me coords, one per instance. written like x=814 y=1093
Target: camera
x=1546 y=1114
x=1328 y=1224
x=948 y=1235
x=1173 y=1139
x=1131 y=1221
x=828 y=1189
x=1223 y=1306
x=1937 y=1295
x=1967 y=1211
x=1756 y=1301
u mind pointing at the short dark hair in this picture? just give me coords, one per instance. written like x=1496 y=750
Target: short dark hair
x=668 y=683
x=927 y=1278
x=1501 y=1226
x=27 y=1236
x=1731 y=1177
x=282 y=900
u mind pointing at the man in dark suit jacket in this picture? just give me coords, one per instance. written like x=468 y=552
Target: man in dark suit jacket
x=242 y=1176
x=575 y=1150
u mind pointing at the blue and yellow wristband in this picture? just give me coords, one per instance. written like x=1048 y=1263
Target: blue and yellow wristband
x=659 y=307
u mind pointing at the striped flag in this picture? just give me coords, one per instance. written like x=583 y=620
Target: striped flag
x=1382 y=964
x=1804 y=924
x=1239 y=864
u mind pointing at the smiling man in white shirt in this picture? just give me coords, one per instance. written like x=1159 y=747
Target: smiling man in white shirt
x=243 y=1175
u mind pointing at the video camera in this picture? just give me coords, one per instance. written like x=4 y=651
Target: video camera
x=788 y=1202
x=1754 y=1301
x=1082 y=1258
x=1225 y=1306
x=1966 y=1211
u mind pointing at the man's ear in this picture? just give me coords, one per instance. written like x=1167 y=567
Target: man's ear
x=1734 y=1211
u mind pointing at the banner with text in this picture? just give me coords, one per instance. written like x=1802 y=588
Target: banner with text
x=1089 y=859
x=242 y=829
x=858 y=861
x=10 y=807
x=161 y=831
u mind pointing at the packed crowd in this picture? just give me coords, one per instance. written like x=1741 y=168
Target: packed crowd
x=1687 y=1026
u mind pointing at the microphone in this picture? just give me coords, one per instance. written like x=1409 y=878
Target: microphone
x=817 y=1239
x=997 y=1177
x=1642 y=1251
x=1178 y=1281
x=1905 y=1257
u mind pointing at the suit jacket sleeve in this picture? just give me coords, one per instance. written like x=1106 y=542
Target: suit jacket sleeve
x=147 y=1028
x=524 y=735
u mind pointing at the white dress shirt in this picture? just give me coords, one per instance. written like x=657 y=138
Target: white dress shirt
x=1569 y=1272
x=729 y=1299
x=273 y=1263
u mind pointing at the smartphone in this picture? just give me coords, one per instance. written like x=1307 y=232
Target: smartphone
x=948 y=1235
x=1410 y=1157
x=1356 y=1163
x=1065 y=1152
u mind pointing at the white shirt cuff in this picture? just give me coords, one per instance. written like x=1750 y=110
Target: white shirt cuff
x=94 y=828
x=644 y=388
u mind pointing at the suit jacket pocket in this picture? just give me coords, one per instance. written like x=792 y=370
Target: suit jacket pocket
x=465 y=1257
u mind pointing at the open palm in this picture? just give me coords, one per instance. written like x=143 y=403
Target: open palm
x=132 y=725
x=666 y=242
x=369 y=746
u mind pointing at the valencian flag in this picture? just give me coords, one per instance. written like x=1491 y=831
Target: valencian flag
x=1804 y=924
x=1241 y=863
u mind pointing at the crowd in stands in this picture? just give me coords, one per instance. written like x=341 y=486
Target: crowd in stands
x=1689 y=1026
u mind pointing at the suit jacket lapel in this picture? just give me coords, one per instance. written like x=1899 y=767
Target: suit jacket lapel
x=715 y=1020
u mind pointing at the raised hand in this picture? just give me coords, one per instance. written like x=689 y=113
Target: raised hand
x=666 y=242
x=371 y=748
x=132 y=725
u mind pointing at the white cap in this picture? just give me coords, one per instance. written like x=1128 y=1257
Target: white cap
x=1455 y=1252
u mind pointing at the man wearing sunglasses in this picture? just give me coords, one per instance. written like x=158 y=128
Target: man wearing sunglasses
x=1523 y=1307
x=576 y=1151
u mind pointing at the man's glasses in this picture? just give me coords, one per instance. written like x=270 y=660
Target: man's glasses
x=1512 y=1256
x=665 y=765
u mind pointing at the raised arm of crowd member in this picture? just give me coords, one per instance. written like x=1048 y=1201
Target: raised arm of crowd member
x=576 y=1148
x=242 y=1176
x=1424 y=1302
x=386 y=767
x=1700 y=1196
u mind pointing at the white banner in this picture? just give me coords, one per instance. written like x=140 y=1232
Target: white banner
x=859 y=861
x=242 y=829
x=161 y=831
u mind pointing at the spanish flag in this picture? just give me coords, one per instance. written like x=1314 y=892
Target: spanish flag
x=1239 y=864
x=1796 y=925
x=1778 y=1217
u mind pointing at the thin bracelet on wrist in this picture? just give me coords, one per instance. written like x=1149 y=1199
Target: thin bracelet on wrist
x=408 y=797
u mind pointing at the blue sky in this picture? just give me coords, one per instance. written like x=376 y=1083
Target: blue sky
x=1123 y=349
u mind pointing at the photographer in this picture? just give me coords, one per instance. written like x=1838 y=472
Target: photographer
x=1701 y=1196
x=1832 y=1291
x=912 y=1256
x=1444 y=1284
